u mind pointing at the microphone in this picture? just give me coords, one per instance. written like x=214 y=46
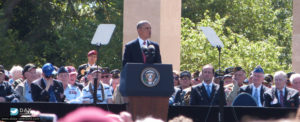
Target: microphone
x=151 y=49
x=151 y=55
x=145 y=50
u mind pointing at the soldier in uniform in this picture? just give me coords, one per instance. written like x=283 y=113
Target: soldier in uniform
x=232 y=89
x=92 y=59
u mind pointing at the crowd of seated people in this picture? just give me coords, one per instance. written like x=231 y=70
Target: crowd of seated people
x=266 y=90
x=66 y=84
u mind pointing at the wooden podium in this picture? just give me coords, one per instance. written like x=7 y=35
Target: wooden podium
x=148 y=88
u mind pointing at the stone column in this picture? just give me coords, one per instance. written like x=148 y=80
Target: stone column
x=296 y=37
x=164 y=16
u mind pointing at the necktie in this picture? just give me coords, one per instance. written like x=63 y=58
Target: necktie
x=281 y=98
x=144 y=56
x=208 y=90
x=256 y=95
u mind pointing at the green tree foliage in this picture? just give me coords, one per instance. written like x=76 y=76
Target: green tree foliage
x=257 y=20
x=60 y=31
x=238 y=50
x=57 y=31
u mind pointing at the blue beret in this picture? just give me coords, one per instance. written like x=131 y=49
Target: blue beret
x=258 y=69
x=48 y=69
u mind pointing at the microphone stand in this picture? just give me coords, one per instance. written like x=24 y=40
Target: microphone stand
x=96 y=79
x=221 y=91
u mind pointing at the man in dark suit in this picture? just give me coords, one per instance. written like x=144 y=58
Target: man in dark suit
x=207 y=92
x=7 y=93
x=47 y=89
x=256 y=89
x=280 y=95
x=83 y=68
x=133 y=52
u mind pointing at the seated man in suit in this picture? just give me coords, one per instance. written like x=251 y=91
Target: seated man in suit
x=133 y=52
x=7 y=93
x=47 y=89
x=256 y=89
x=207 y=92
x=280 y=95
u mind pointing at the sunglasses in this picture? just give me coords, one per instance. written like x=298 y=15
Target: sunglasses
x=196 y=79
x=107 y=76
x=176 y=78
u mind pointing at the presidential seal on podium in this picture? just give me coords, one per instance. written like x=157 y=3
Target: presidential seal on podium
x=150 y=77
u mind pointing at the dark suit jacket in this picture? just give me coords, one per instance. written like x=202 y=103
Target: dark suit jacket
x=179 y=96
x=7 y=91
x=199 y=95
x=40 y=94
x=133 y=52
x=248 y=89
x=290 y=98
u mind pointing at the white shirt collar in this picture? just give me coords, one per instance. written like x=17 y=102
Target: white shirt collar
x=210 y=84
x=258 y=88
x=141 y=41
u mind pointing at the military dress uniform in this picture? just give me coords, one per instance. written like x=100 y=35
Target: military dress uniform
x=84 y=68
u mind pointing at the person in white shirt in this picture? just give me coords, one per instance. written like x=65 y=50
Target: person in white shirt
x=72 y=94
x=104 y=93
x=106 y=77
